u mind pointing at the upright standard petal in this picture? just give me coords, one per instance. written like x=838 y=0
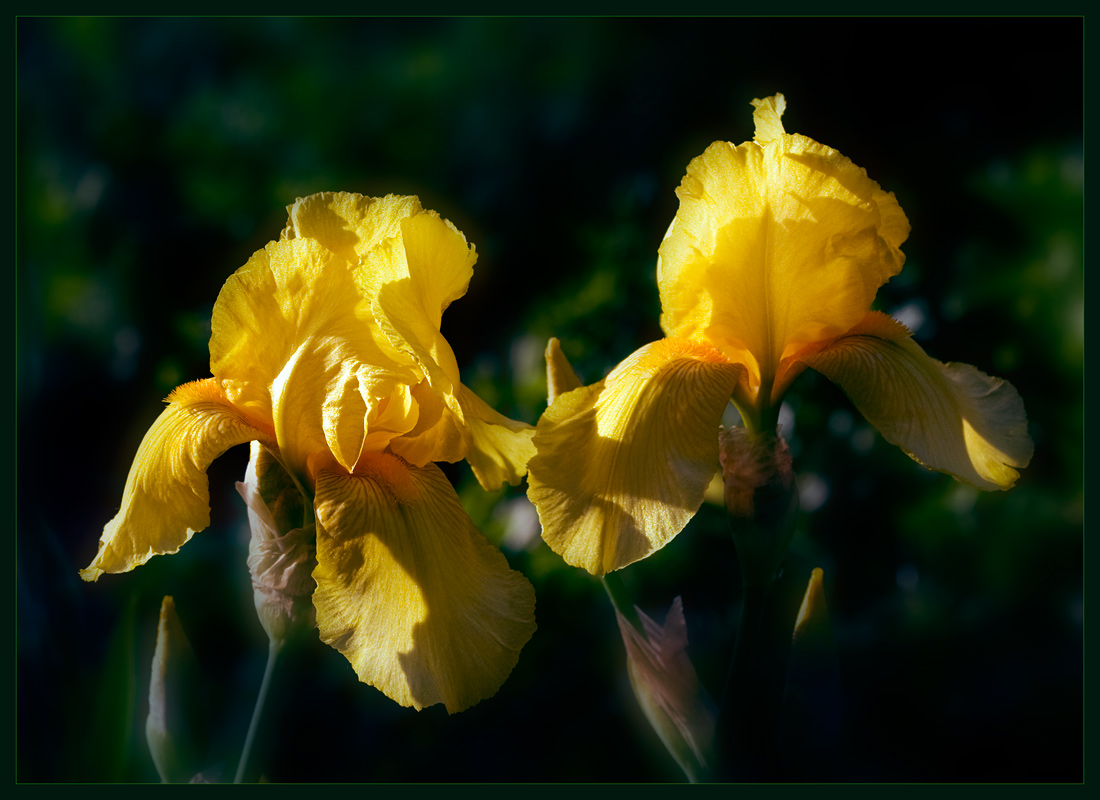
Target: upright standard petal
x=948 y=417
x=621 y=466
x=420 y=603
x=410 y=280
x=777 y=243
x=291 y=341
x=167 y=498
x=344 y=222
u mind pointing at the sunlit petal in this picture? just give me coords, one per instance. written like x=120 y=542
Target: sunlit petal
x=621 y=466
x=777 y=243
x=345 y=223
x=419 y=602
x=767 y=118
x=949 y=417
x=291 y=341
x=411 y=279
x=167 y=498
x=499 y=447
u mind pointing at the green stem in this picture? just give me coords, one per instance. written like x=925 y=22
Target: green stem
x=273 y=651
x=746 y=718
x=620 y=599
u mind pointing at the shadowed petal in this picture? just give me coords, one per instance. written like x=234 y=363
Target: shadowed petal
x=948 y=417
x=420 y=603
x=167 y=498
x=621 y=466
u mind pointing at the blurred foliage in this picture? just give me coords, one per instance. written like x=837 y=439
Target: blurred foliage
x=155 y=155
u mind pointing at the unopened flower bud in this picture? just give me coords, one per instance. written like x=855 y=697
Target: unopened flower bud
x=668 y=689
x=166 y=728
x=560 y=377
x=812 y=703
x=280 y=559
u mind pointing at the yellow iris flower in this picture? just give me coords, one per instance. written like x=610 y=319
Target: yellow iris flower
x=770 y=266
x=326 y=349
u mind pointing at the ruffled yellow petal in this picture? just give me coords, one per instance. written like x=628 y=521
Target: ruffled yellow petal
x=332 y=331
x=499 y=447
x=345 y=223
x=410 y=280
x=948 y=417
x=768 y=118
x=419 y=602
x=290 y=341
x=621 y=466
x=778 y=243
x=441 y=432
x=167 y=498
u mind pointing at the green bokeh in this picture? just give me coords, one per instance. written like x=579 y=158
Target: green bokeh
x=154 y=156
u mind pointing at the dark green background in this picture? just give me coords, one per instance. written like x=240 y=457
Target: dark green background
x=154 y=156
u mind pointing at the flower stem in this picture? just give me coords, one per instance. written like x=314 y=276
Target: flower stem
x=620 y=599
x=273 y=650
x=746 y=722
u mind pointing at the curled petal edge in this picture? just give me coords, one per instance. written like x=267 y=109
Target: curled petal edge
x=950 y=418
x=167 y=496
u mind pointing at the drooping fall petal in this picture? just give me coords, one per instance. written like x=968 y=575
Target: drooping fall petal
x=948 y=417
x=621 y=466
x=167 y=498
x=420 y=603
x=778 y=242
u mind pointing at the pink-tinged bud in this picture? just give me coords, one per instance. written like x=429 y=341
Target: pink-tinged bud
x=669 y=691
x=761 y=499
x=280 y=561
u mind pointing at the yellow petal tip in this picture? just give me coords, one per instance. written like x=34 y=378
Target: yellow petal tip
x=767 y=117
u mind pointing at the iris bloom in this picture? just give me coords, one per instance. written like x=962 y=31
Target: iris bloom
x=326 y=349
x=770 y=266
